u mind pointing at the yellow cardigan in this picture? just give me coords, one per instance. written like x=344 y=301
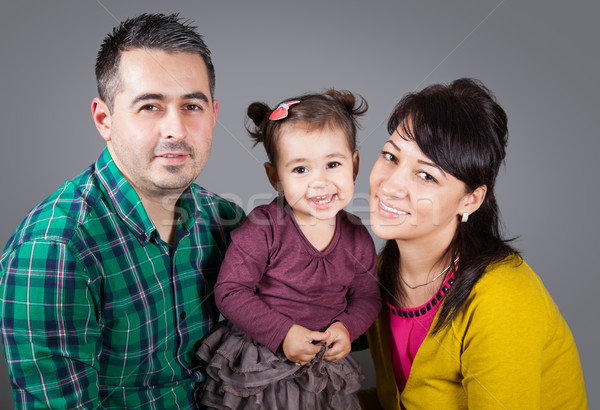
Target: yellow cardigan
x=509 y=347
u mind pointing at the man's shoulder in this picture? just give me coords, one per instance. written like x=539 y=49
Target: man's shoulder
x=57 y=217
x=215 y=206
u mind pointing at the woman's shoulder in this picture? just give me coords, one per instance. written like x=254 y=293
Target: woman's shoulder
x=509 y=287
x=510 y=275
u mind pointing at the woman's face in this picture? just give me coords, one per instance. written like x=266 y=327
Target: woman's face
x=411 y=198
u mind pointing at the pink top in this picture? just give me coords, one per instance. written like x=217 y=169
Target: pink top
x=408 y=328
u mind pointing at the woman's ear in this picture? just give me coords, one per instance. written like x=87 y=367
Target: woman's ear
x=271 y=171
x=473 y=201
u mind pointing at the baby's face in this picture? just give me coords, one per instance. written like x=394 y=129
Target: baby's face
x=316 y=171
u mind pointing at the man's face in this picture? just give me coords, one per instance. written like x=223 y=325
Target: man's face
x=160 y=131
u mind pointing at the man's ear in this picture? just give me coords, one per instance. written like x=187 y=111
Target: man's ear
x=473 y=201
x=355 y=162
x=271 y=171
x=215 y=112
x=102 y=118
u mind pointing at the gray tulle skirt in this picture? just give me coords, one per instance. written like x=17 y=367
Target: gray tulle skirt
x=243 y=374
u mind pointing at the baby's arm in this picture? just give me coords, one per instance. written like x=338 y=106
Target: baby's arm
x=243 y=268
x=363 y=298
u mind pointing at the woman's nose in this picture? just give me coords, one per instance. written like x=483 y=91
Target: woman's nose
x=395 y=184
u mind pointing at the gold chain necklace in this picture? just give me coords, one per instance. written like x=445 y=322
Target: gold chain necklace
x=432 y=280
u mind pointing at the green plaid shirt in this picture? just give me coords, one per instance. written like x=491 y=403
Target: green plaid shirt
x=96 y=310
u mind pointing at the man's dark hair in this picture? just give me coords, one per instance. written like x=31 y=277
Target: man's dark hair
x=147 y=31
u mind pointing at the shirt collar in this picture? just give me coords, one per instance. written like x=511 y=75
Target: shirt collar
x=190 y=207
x=123 y=197
x=128 y=205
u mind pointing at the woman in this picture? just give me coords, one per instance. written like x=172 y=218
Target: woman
x=466 y=323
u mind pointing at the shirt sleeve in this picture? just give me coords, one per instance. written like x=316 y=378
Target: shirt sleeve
x=50 y=330
x=501 y=363
x=363 y=296
x=244 y=265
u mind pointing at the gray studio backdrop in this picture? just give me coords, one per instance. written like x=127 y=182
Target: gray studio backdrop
x=540 y=58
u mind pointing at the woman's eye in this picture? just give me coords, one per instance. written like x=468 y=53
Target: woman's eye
x=426 y=177
x=300 y=170
x=333 y=164
x=387 y=156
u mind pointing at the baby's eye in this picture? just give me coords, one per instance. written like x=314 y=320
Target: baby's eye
x=300 y=170
x=333 y=164
x=426 y=177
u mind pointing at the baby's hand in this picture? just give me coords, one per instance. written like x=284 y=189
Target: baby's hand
x=339 y=342
x=298 y=344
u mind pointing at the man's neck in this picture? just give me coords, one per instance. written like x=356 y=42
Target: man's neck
x=162 y=212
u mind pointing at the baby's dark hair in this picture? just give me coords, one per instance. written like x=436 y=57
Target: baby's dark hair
x=332 y=108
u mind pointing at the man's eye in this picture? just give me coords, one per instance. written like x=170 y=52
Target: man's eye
x=149 y=107
x=300 y=170
x=193 y=107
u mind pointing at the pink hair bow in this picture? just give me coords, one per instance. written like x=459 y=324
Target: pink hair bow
x=281 y=112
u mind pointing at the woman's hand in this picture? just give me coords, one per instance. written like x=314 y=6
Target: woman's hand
x=339 y=342
x=298 y=344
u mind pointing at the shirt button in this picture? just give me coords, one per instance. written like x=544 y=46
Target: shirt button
x=182 y=315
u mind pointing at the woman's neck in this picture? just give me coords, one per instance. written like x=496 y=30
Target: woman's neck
x=420 y=265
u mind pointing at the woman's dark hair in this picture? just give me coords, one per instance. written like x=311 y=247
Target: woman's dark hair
x=462 y=129
x=332 y=108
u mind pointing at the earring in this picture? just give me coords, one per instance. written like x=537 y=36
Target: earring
x=465 y=217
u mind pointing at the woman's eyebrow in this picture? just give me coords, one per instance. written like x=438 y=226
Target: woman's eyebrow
x=393 y=144
x=431 y=164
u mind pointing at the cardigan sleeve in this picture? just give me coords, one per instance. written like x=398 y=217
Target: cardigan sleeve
x=388 y=396
x=506 y=326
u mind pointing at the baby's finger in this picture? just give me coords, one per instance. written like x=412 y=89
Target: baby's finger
x=318 y=336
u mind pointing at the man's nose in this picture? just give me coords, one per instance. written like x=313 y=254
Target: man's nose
x=173 y=126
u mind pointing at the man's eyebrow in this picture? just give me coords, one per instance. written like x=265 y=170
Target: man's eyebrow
x=196 y=96
x=161 y=97
x=148 y=96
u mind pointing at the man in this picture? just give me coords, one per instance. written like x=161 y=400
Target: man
x=106 y=286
